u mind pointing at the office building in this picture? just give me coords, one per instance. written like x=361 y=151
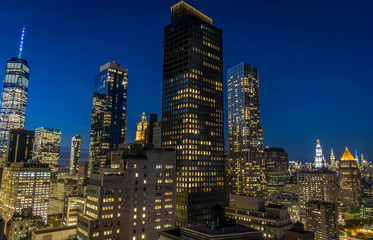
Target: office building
x=322 y=219
x=319 y=161
x=298 y=233
x=20 y=225
x=349 y=181
x=153 y=118
x=136 y=203
x=13 y=99
x=333 y=165
x=109 y=114
x=72 y=208
x=20 y=146
x=245 y=131
x=47 y=145
x=192 y=111
x=25 y=185
x=60 y=233
x=276 y=169
x=318 y=185
x=76 y=145
x=157 y=134
x=142 y=126
x=273 y=220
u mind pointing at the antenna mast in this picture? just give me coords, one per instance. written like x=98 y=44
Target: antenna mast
x=21 y=45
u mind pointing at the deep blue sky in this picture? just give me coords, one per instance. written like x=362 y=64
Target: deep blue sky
x=314 y=58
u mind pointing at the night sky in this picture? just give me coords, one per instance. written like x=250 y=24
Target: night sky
x=314 y=59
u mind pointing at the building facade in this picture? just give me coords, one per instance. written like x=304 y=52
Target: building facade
x=319 y=161
x=349 y=181
x=192 y=111
x=109 y=114
x=76 y=145
x=20 y=146
x=142 y=126
x=47 y=145
x=245 y=131
x=157 y=134
x=25 y=185
x=153 y=118
x=318 y=185
x=276 y=169
x=322 y=219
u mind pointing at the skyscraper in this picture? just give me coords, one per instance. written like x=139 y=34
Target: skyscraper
x=109 y=113
x=14 y=99
x=245 y=132
x=47 y=145
x=20 y=145
x=333 y=164
x=322 y=219
x=25 y=185
x=142 y=126
x=276 y=169
x=319 y=157
x=76 y=144
x=349 y=181
x=192 y=111
x=153 y=117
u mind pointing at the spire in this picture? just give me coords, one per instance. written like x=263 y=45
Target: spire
x=356 y=157
x=21 y=44
x=347 y=156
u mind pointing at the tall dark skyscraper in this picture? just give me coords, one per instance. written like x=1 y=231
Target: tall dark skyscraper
x=245 y=131
x=20 y=145
x=14 y=99
x=109 y=113
x=153 y=117
x=192 y=111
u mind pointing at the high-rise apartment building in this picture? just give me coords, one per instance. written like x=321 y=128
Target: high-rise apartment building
x=135 y=204
x=318 y=185
x=322 y=219
x=13 y=99
x=245 y=131
x=20 y=146
x=47 y=145
x=349 y=181
x=192 y=111
x=276 y=169
x=142 y=126
x=25 y=185
x=76 y=145
x=109 y=114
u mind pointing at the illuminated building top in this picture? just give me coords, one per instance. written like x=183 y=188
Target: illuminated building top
x=141 y=128
x=319 y=157
x=182 y=9
x=347 y=156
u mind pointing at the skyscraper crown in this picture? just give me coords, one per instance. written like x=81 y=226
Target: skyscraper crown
x=347 y=156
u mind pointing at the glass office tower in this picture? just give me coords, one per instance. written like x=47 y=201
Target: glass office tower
x=245 y=132
x=20 y=145
x=76 y=145
x=47 y=144
x=13 y=102
x=109 y=114
x=192 y=112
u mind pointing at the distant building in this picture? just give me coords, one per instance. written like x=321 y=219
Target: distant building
x=322 y=219
x=20 y=146
x=20 y=225
x=60 y=233
x=157 y=134
x=349 y=181
x=109 y=114
x=273 y=220
x=72 y=208
x=82 y=173
x=25 y=185
x=319 y=161
x=333 y=164
x=141 y=129
x=135 y=204
x=245 y=131
x=319 y=185
x=76 y=145
x=153 y=117
x=47 y=145
x=276 y=169
x=298 y=233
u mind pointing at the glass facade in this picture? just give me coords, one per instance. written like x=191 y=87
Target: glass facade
x=47 y=145
x=13 y=102
x=192 y=112
x=20 y=145
x=245 y=132
x=76 y=144
x=109 y=114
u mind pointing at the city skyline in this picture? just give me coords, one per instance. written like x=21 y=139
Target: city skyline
x=302 y=113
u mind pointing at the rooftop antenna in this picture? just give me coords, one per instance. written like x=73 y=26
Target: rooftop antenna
x=21 y=45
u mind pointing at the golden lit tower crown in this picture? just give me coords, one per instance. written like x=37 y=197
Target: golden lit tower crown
x=141 y=128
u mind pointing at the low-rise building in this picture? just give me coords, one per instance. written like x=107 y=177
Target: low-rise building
x=61 y=233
